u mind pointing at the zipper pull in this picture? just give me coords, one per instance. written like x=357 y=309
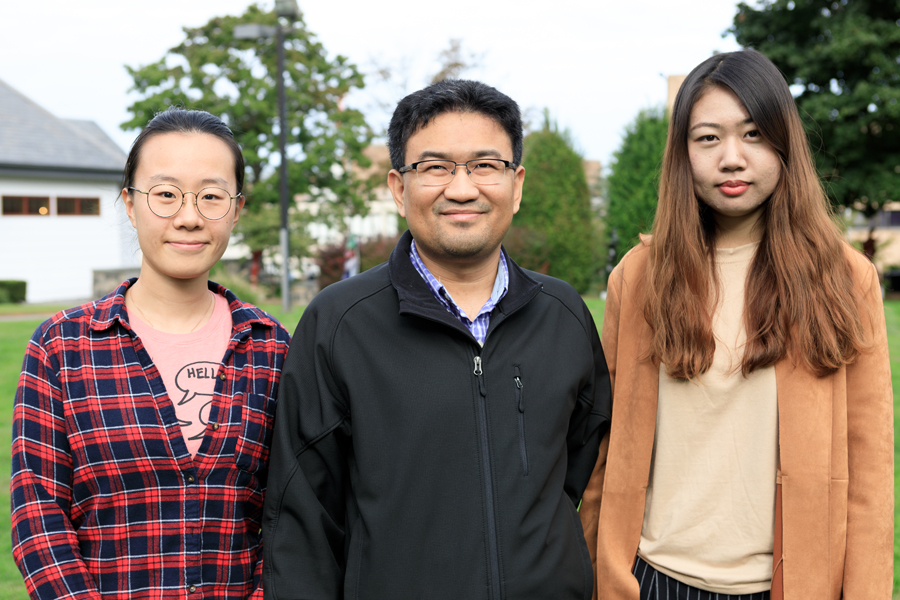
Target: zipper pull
x=520 y=394
x=478 y=373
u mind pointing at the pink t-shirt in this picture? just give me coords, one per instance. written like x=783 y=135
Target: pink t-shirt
x=188 y=364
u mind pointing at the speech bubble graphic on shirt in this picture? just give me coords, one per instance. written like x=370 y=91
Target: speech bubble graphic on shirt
x=204 y=419
x=191 y=377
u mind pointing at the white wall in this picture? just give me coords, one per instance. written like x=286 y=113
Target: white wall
x=381 y=221
x=57 y=254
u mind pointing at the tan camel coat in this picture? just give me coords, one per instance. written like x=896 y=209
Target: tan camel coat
x=835 y=500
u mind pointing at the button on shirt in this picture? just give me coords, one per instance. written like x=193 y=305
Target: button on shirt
x=106 y=498
x=479 y=325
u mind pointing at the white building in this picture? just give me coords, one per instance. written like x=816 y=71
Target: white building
x=60 y=219
x=381 y=218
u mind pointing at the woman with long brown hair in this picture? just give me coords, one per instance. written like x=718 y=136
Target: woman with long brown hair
x=751 y=448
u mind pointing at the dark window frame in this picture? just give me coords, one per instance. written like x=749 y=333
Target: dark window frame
x=79 y=202
x=25 y=204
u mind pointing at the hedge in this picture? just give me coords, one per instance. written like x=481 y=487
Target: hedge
x=12 y=291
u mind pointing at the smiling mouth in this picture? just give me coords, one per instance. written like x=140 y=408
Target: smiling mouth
x=462 y=216
x=187 y=245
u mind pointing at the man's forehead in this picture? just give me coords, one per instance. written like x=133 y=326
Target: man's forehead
x=468 y=128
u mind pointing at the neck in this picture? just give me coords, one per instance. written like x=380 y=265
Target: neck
x=170 y=305
x=732 y=232
x=470 y=282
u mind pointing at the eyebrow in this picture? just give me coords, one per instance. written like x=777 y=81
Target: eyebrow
x=204 y=182
x=435 y=154
x=746 y=121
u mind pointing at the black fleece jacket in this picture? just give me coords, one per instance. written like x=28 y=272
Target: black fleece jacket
x=409 y=462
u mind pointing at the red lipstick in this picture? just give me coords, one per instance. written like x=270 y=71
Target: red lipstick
x=734 y=188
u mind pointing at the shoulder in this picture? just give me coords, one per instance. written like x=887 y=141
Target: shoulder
x=558 y=295
x=74 y=323
x=860 y=266
x=554 y=287
x=635 y=262
x=338 y=297
x=72 y=334
x=244 y=314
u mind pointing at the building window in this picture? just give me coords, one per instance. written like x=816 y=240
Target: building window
x=26 y=205
x=78 y=206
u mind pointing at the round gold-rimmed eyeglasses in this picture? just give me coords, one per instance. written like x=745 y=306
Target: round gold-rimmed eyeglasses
x=482 y=171
x=165 y=199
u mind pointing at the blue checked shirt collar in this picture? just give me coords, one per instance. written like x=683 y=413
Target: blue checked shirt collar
x=479 y=325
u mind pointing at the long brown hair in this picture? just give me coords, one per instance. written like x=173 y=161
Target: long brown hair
x=799 y=292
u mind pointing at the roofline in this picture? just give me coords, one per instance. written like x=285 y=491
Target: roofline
x=53 y=172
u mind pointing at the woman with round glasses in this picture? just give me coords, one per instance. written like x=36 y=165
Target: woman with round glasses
x=142 y=420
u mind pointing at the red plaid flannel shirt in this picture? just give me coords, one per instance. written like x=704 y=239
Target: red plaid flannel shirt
x=106 y=499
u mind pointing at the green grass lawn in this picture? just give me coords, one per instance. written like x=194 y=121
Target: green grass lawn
x=30 y=309
x=892 y=315
x=13 y=337
x=15 y=334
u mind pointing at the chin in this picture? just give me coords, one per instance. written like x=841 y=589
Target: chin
x=461 y=251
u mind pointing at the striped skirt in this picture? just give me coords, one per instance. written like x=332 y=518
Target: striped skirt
x=659 y=586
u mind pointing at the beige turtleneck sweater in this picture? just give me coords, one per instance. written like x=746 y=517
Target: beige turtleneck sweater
x=710 y=511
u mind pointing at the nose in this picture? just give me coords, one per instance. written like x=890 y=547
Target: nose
x=189 y=216
x=733 y=158
x=461 y=188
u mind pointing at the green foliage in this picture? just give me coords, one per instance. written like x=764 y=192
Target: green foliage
x=556 y=207
x=528 y=247
x=633 y=186
x=237 y=80
x=13 y=291
x=845 y=56
x=259 y=229
x=237 y=284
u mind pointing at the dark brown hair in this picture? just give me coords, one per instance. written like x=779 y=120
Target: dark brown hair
x=799 y=293
x=182 y=120
x=452 y=95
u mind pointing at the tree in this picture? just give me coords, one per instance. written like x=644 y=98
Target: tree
x=843 y=59
x=453 y=62
x=633 y=185
x=555 y=210
x=237 y=81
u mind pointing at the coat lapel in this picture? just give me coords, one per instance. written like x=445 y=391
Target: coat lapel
x=805 y=439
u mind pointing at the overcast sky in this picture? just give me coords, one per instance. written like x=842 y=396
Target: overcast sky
x=594 y=64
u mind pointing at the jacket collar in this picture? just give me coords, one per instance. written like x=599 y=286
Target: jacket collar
x=111 y=309
x=416 y=299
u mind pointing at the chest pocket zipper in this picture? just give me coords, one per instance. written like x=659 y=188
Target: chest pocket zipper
x=520 y=413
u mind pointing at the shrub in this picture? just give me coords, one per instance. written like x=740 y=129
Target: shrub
x=634 y=181
x=376 y=251
x=331 y=264
x=12 y=291
x=556 y=208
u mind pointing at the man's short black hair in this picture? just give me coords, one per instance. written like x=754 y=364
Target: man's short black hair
x=452 y=95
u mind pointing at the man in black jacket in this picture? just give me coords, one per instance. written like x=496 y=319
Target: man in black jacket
x=439 y=415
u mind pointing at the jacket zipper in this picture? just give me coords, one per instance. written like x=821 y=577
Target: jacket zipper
x=488 y=481
x=520 y=406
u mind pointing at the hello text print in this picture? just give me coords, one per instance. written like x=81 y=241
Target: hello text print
x=193 y=380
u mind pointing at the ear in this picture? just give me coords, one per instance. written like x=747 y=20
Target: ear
x=397 y=187
x=518 y=181
x=237 y=210
x=129 y=207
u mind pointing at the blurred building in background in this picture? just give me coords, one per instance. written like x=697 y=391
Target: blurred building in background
x=60 y=223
